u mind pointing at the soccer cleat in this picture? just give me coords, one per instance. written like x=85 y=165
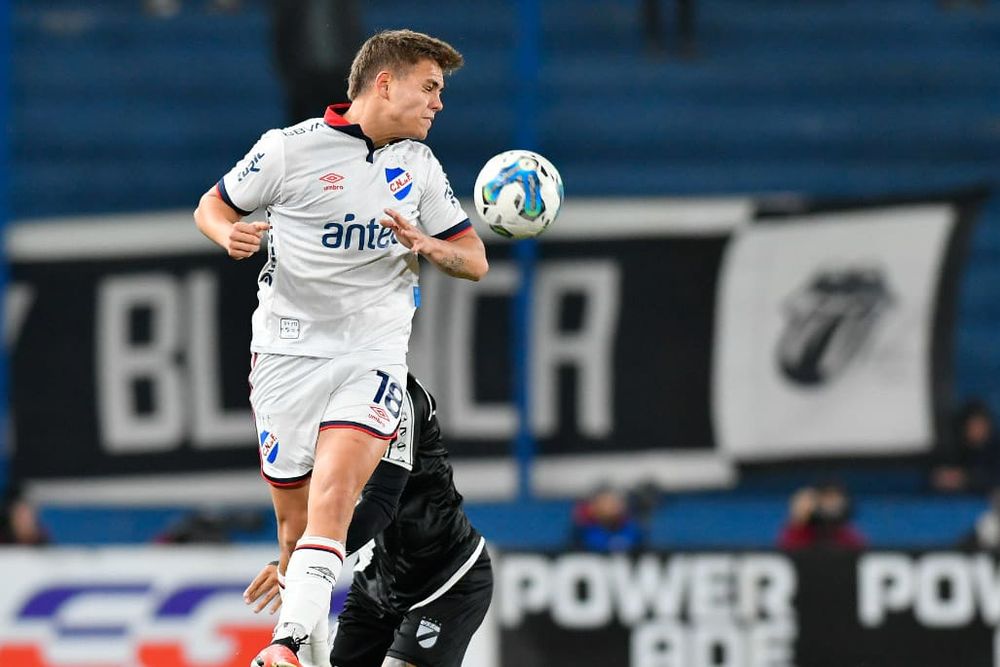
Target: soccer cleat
x=276 y=655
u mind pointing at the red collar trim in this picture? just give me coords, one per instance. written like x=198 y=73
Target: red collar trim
x=335 y=114
x=334 y=117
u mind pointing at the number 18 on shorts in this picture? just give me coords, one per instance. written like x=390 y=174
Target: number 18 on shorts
x=294 y=398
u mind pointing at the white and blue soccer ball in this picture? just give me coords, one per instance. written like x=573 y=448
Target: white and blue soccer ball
x=518 y=194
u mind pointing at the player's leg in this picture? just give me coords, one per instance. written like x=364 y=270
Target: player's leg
x=288 y=395
x=353 y=436
x=364 y=633
x=396 y=662
x=438 y=633
x=290 y=513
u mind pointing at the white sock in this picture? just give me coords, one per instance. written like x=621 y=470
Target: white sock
x=313 y=569
x=318 y=654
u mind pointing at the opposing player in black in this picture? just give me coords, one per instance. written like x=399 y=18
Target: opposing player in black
x=429 y=581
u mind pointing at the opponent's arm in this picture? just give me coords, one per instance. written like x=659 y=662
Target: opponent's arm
x=265 y=589
x=222 y=224
x=378 y=504
x=462 y=257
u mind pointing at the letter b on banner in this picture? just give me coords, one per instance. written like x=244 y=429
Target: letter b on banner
x=158 y=383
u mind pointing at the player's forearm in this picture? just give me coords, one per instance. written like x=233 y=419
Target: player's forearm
x=215 y=219
x=460 y=259
x=378 y=504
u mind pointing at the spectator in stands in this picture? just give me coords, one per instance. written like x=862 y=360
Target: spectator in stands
x=985 y=536
x=211 y=527
x=820 y=518
x=972 y=462
x=19 y=523
x=314 y=46
x=604 y=522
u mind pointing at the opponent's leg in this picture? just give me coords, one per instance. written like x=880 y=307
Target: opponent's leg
x=438 y=632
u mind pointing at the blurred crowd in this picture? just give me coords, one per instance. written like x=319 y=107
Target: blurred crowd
x=820 y=517
x=19 y=521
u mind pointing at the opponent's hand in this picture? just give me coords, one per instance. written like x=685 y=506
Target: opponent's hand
x=407 y=234
x=264 y=590
x=244 y=238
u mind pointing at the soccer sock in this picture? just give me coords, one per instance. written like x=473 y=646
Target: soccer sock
x=318 y=654
x=312 y=571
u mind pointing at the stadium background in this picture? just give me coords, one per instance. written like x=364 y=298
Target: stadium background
x=118 y=119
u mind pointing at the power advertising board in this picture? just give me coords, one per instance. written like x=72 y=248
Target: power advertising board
x=716 y=609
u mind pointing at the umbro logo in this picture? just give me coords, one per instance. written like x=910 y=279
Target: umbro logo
x=379 y=415
x=323 y=573
x=332 y=179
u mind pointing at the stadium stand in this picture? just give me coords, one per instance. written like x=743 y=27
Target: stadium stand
x=846 y=98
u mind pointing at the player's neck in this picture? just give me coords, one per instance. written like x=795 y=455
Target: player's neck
x=365 y=113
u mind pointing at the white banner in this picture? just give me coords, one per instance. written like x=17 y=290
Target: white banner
x=165 y=606
x=824 y=334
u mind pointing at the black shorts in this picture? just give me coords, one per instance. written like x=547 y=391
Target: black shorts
x=435 y=635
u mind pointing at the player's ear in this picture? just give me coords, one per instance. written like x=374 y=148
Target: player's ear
x=382 y=80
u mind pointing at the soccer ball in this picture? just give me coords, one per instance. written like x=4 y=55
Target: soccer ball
x=518 y=194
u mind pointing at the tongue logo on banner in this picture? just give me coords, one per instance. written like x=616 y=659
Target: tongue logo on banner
x=828 y=321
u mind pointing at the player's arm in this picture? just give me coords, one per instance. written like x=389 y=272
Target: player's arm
x=462 y=256
x=223 y=225
x=252 y=183
x=378 y=505
x=265 y=589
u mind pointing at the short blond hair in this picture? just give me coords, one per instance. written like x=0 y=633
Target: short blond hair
x=396 y=51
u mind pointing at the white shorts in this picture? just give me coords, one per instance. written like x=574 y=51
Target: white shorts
x=294 y=398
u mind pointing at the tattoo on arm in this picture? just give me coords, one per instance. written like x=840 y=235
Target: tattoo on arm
x=454 y=265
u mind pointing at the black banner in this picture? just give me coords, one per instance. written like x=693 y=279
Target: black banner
x=130 y=348
x=875 y=609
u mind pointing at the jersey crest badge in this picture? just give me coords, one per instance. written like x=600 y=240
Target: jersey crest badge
x=269 y=446
x=428 y=632
x=400 y=182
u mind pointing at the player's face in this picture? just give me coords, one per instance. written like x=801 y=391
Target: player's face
x=416 y=98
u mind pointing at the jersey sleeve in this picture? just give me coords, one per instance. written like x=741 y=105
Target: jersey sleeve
x=255 y=181
x=440 y=213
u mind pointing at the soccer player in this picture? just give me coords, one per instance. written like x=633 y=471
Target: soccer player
x=428 y=584
x=351 y=201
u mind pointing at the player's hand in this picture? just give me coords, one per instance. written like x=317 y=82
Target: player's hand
x=407 y=234
x=264 y=590
x=244 y=238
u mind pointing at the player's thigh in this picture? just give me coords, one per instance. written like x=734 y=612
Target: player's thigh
x=438 y=634
x=362 y=637
x=344 y=462
x=289 y=395
x=360 y=418
x=370 y=389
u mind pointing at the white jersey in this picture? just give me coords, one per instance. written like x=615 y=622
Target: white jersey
x=335 y=280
